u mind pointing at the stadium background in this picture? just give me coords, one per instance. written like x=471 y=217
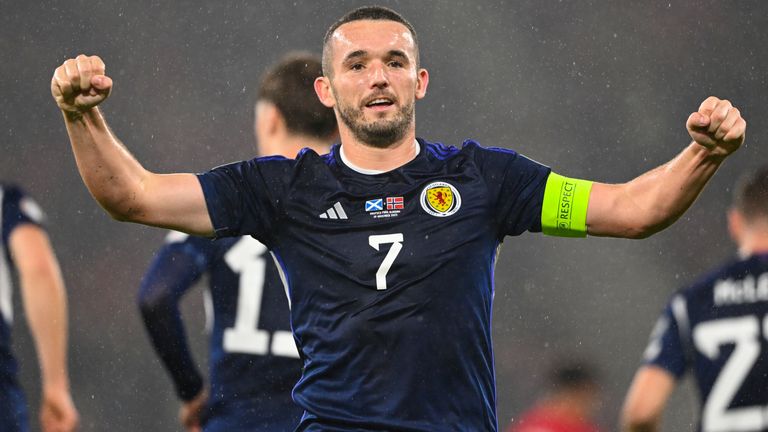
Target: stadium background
x=597 y=90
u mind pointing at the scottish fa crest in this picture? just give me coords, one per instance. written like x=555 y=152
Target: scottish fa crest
x=440 y=199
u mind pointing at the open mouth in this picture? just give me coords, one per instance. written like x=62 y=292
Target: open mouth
x=379 y=103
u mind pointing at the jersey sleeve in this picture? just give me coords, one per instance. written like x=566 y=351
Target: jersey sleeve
x=174 y=270
x=244 y=198
x=516 y=185
x=18 y=209
x=666 y=348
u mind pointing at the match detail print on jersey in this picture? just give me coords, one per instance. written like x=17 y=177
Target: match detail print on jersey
x=440 y=199
x=564 y=210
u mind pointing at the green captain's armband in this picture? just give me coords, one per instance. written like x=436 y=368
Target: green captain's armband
x=564 y=210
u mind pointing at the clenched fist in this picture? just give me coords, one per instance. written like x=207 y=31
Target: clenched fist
x=718 y=126
x=79 y=84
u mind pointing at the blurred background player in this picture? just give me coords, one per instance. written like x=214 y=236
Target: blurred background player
x=570 y=407
x=26 y=248
x=253 y=362
x=717 y=328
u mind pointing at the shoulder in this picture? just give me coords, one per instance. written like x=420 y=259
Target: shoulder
x=704 y=284
x=11 y=193
x=497 y=157
x=18 y=205
x=469 y=148
x=257 y=164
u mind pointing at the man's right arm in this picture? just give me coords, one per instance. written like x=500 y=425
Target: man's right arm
x=121 y=185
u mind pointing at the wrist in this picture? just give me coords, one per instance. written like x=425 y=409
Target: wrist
x=56 y=388
x=55 y=382
x=76 y=116
x=714 y=155
x=72 y=116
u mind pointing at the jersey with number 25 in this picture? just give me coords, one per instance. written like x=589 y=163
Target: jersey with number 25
x=718 y=329
x=390 y=276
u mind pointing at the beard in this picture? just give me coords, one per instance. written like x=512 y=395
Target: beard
x=379 y=133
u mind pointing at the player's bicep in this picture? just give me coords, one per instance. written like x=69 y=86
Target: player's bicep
x=564 y=207
x=176 y=201
x=611 y=212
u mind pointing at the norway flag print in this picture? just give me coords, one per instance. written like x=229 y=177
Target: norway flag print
x=394 y=203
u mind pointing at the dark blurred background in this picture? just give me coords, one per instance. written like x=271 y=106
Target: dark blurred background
x=597 y=90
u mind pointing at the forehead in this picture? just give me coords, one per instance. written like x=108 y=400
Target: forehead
x=372 y=36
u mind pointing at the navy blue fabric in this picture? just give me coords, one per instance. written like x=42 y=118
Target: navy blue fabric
x=417 y=355
x=734 y=293
x=13 y=214
x=247 y=391
x=13 y=406
x=13 y=410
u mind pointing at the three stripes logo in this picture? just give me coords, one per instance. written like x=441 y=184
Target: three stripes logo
x=335 y=212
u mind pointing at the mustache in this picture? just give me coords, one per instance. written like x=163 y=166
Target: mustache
x=377 y=95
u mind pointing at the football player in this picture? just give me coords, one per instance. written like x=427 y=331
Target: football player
x=387 y=244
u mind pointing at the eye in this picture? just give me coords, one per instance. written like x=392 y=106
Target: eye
x=395 y=64
x=356 y=66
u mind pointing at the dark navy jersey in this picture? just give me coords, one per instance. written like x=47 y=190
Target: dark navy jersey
x=17 y=209
x=253 y=361
x=390 y=276
x=718 y=329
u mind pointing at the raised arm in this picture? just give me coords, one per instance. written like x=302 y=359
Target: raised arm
x=656 y=199
x=45 y=305
x=120 y=184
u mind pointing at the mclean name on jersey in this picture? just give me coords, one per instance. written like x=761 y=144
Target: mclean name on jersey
x=737 y=291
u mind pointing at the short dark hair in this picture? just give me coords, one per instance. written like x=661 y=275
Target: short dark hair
x=751 y=194
x=290 y=86
x=366 y=13
x=572 y=375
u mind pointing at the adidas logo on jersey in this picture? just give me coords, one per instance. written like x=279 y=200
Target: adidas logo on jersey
x=335 y=212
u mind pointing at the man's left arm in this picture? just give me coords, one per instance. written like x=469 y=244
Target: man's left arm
x=656 y=199
x=646 y=399
x=45 y=304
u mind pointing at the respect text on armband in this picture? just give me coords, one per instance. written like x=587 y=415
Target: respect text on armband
x=565 y=210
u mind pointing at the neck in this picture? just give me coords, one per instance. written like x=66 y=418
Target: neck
x=366 y=157
x=753 y=239
x=753 y=245
x=290 y=145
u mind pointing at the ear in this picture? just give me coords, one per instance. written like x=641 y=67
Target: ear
x=269 y=123
x=422 y=81
x=324 y=93
x=736 y=225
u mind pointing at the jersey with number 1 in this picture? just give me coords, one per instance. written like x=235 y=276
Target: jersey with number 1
x=253 y=360
x=390 y=276
x=16 y=209
x=718 y=329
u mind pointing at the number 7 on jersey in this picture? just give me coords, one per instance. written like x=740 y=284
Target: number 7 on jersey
x=397 y=245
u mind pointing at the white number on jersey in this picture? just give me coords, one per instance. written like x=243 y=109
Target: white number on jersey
x=246 y=257
x=744 y=333
x=397 y=245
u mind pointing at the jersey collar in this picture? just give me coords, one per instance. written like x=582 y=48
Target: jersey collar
x=360 y=170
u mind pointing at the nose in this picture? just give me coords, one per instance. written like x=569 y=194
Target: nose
x=379 y=76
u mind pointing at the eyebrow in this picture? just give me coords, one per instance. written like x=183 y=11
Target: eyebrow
x=397 y=53
x=355 y=54
x=363 y=53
